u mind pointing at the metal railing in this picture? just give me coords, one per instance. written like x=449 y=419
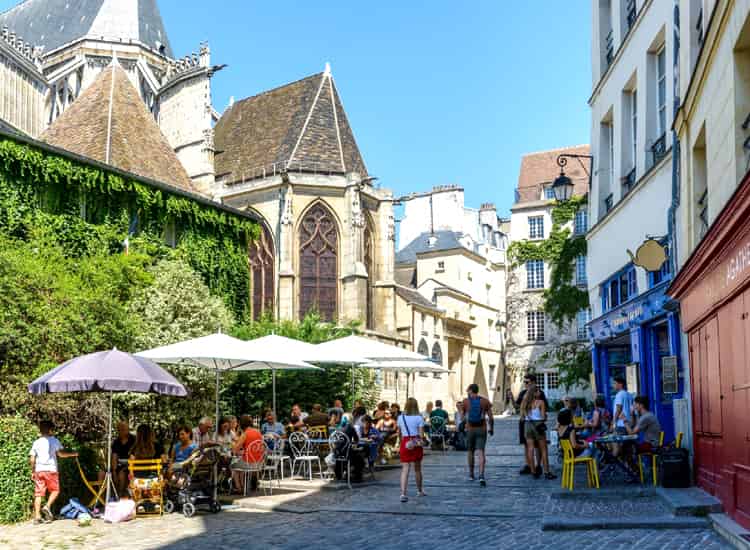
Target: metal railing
x=703 y=212
x=610 y=47
x=609 y=203
x=631 y=14
x=699 y=28
x=628 y=182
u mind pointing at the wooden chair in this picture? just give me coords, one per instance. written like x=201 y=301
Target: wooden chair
x=147 y=490
x=653 y=454
x=569 y=465
x=96 y=488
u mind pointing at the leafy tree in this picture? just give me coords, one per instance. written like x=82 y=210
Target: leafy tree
x=573 y=362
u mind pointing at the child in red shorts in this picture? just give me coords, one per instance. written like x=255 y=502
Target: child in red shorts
x=43 y=457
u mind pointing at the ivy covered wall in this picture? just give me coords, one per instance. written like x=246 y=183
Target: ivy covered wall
x=90 y=209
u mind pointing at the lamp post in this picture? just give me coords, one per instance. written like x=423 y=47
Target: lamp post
x=563 y=185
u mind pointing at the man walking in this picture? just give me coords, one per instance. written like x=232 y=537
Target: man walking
x=478 y=414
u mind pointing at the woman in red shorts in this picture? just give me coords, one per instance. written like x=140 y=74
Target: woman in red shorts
x=411 y=429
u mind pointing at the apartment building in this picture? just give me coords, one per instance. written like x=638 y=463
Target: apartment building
x=635 y=333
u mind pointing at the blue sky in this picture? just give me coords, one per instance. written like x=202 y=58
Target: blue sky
x=436 y=91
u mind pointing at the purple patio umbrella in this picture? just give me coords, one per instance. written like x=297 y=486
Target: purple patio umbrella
x=108 y=371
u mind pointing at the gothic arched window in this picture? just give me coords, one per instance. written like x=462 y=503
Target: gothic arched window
x=437 y=353
x=422 y=348
x=370 y=265
x=318 y=254
x=261 y=259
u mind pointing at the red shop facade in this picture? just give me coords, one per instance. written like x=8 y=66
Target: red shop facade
x=713 y=289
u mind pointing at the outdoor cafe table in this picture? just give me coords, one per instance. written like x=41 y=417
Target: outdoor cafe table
x=611 y=464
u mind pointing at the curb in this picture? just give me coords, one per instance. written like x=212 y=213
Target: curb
x=730 y=531
x=394 y=512
x=565 y=523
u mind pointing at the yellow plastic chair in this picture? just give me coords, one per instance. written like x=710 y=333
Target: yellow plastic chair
x=678 y=440
x=96 y=488
x=578 y=421
x=569 y=466
x=653 y=456
x=147 y=489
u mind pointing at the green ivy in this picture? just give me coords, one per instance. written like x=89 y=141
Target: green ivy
x=87 y=210
x=16 y=488
x=562 y=300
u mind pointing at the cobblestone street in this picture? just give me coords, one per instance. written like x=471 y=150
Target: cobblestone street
x=509 y=512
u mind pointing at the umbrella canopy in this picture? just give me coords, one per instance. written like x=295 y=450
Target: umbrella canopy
x=111 y=371
x=407 y=366
x=310 y=353
x=369 y=348
x=223 y=352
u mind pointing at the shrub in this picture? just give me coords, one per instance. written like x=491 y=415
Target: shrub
x=16 y=488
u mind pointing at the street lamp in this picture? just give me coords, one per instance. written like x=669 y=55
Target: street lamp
x=563 y=185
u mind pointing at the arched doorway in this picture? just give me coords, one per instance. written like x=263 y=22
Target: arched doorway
x=422 y=348
x=318 y=261
x=261 y=259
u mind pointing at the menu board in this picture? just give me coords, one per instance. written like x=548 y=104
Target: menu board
x=669 y=379
x=631 y=378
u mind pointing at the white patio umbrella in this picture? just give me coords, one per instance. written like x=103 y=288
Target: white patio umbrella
x=222 y=352
x=409 y=367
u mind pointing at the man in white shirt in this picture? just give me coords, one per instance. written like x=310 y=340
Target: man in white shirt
x=623 y=408
x=203 y=434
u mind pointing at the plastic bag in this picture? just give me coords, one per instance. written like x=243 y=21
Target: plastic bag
x=121 y=510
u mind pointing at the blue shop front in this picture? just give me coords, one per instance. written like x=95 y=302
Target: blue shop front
x=640 y=341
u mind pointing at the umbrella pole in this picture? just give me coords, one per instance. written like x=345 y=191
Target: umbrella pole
x=352 y=383
x=396 y=386
x=108 y=474
x=216 y=426
x=273 y=378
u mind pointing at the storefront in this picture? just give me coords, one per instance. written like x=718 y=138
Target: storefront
x=713 y=288
x=640 y=341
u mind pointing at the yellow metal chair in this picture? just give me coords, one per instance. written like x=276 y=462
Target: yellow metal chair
x=318 y=432
x=569 y=465
x=578 y=421
x=653 y=456
x=678 y=441
x=147 y=490
x=96 y=488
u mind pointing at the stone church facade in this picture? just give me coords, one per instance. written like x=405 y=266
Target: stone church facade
x=287 y=155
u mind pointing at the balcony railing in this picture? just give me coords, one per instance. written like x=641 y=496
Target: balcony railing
x=610 y=47
x=609 y=203
x=659 y=148
x=699 y=28
x=631 y=14
x=703 y=212
x=628 y=182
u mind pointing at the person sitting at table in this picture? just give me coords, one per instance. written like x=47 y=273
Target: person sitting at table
x=389 y=434
x=146 y=448
x=121 y=448
x=576 y=409
x=294 y=425
x=599 y=422
x=367 y=431
x=647 y=426
x=225 y=437
x=336 y=421
x=358 y=413
x=248 y=455
x=566 y=430
x=234 y=427
x=184 y=446
x=439 y=411
x=298 y=412
x=203 y=433
x=380 y=411
x=316 y=418
x=427 y=411
x=458 y=438
x=271 y=425
x=337 y=424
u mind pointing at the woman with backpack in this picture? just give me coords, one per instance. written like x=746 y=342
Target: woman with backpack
x=411 y=428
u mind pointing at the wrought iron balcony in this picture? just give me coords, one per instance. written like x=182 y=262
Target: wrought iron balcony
x=703 y=212
x=609 y=203
x=631 y=14
x=610 y=47
x=659 y=148
x=628 y=182
x=699 y=28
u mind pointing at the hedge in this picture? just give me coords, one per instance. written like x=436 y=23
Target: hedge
x=16 y=488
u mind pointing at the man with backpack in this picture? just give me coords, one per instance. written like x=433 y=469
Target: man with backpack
x=476 y=410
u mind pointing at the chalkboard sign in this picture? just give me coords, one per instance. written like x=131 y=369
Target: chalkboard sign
x=669 y=379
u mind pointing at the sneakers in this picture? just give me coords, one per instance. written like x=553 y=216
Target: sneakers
x=525 y=471
x=421 y=494
x=404 y=498
x=550 y=475
x=471 y=478
x=47 y=515
x=482 y=482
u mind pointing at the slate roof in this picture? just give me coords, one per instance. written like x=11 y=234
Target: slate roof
x=131 y=142
x=54 y=23
x=414 y=297
x=446 y=240
x=538 y=169
x=302 y=125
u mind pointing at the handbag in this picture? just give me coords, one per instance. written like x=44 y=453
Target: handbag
x=411 y=443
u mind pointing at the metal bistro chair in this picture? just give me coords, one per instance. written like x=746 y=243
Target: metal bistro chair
x=654 y=455
x=259 y=466
x=147 y=491
x=341 y=447
x=276 y=455
x=303 y=453
x=437 y=431
x=569 y=465
x=678 y=440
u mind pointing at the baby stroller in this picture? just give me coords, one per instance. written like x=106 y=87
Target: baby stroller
x=193 y=483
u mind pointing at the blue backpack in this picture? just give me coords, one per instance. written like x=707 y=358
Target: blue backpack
x=73 y=508
x=475 y=412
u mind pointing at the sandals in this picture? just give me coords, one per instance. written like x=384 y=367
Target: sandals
x=404 y=498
